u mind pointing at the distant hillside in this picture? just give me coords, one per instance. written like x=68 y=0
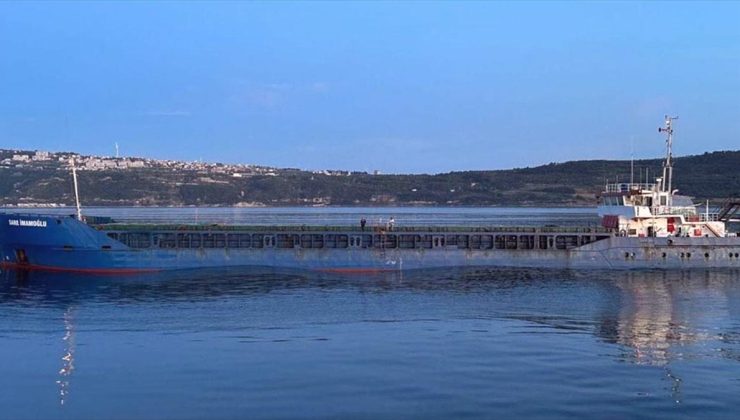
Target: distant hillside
x=713 y=176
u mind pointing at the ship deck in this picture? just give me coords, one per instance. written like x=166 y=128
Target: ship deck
x=321 y=237
x=159 y=227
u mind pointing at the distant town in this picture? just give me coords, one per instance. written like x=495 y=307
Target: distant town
x=62 y=161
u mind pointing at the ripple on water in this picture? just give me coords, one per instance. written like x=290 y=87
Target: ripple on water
x=475 y=343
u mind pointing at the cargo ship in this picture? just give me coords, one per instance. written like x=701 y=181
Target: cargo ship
x=644 y=226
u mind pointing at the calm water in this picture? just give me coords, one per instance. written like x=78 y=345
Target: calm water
x=441 y=344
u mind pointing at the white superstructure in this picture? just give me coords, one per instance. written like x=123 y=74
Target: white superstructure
x=654 y=209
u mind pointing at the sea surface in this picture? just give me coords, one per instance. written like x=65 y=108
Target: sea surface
x=473 y=343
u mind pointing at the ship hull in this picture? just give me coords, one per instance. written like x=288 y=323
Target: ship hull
x=65 y=244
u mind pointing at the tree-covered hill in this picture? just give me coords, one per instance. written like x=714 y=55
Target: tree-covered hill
x=713 y=176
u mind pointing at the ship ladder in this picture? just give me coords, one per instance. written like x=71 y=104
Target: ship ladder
x=711 y=229
x=729 y=210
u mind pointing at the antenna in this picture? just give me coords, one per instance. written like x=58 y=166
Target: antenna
x=77 y=193
x=668 y=164
x=632 y=160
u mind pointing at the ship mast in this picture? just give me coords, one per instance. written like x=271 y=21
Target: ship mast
x=77 y=193
x=667 y=184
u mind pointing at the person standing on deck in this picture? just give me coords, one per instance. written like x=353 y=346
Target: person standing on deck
x=363 y=222
x=391 y=222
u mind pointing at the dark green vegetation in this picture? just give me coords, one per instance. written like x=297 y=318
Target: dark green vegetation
x=713 y=176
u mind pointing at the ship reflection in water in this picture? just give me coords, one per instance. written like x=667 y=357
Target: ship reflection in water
x=661 y=315
x=225 y=343
x=68 y=359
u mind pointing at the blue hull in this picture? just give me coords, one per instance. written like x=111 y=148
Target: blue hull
x=66 y=244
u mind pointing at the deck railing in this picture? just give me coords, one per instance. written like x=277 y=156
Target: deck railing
x=144 y=227
x=627 y=186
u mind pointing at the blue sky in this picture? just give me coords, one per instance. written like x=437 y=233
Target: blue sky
x=400 y=87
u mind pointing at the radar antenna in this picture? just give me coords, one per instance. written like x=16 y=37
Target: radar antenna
x=668 y=164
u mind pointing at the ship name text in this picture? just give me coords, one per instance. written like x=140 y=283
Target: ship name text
x=27 y=223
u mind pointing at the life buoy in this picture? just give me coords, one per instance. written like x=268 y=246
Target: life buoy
x=622 y=232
